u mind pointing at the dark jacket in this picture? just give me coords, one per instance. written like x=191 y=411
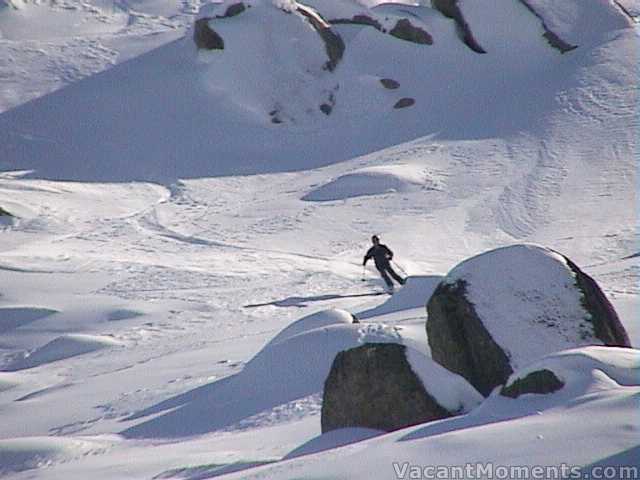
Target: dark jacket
x=381 y=255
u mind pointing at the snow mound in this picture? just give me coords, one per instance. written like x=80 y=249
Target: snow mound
x=274 y=62
x=533 y=286
x=587 y=369
x=373 y=181
x=302 y=362
x=15 y=317
x=414 y=294
x=21 y=454
x=578 y=21
x=66 y=346
x=333 y=439
x=282 y=376
x=320 y=319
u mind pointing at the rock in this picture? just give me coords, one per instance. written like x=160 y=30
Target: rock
x=405 y=30
x=326 y=108
x=360 y=19
x=333 y=43
x=4 y=213
x=450 y=9
x=375 y=386
x=541 y=382
x=498 y=311
x=235 y=9
x=206 y=38
x=404 y=103
x=389 y=83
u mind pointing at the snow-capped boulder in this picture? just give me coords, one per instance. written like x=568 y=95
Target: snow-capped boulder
x=501 y=310
x=277 y=57
x=388 y=386
x=576 y=371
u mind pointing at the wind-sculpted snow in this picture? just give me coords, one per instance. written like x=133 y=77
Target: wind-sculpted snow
x=63 y=347
x=374 y=181
x=291 y=367
x=15 y=317
x=27 y=453
x=210 y=112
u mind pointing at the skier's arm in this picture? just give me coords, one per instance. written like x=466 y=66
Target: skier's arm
x=389 y=253
x=367 y=257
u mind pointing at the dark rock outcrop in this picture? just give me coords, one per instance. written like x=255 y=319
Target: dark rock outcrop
x=373 y=386
x=205 y=37
x=541 y=382
x=405 y=30
x=4 y=213
x=544 y=314
x=404 y=103
x=389 y=83
x=460 y=342
x=233 y=10
x=364 y=20
x=450 y=9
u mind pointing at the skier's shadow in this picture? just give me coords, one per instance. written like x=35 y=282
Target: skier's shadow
x=301 y=302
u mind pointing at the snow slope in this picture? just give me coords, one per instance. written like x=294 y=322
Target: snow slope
x=215 y=257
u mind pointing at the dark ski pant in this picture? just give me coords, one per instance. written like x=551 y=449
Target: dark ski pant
x=385 y=271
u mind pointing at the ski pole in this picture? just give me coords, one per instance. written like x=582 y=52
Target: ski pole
x=364 y=272
x=400 y=268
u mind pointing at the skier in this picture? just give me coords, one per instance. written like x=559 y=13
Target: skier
x=381 y=255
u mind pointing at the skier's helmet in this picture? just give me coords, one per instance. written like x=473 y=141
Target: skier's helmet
x=375 y=239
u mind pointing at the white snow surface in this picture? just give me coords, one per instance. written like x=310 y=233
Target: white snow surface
x=522 y=292
x=217 y=256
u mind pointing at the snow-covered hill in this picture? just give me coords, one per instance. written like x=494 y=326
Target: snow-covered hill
x=178 y=269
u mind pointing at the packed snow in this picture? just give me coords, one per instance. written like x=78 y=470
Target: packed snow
x=179 y=271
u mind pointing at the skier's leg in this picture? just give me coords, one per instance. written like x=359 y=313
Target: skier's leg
x=396 y=277
x=385 y=277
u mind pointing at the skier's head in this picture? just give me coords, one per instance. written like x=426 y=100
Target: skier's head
x=375 y=240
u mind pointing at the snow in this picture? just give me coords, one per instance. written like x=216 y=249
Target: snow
x=37 y=452
x=63 y=347
x=217 y=257
x=333 y=439
x=522 y=292
x=448 y=389
x=374 y=181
